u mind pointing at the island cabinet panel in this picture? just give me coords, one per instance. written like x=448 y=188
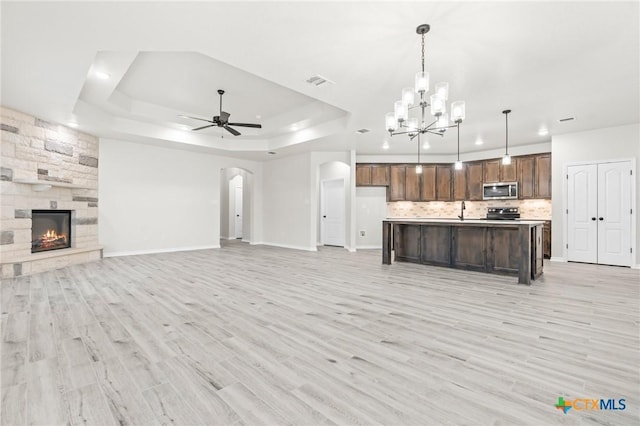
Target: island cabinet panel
x=363 y=175
x=411 y=184
x=436 y=245
x=396 y=183
x=505 y=253
x=470 y=249
x=474 y=181
x=443 y=183
x=379 y=175
x=491 y=171
x=543 y=176
x=546 y=239
x=460 y=184
x=526 y=177
x=537 y=255
x=407 y=243
x=428 y=190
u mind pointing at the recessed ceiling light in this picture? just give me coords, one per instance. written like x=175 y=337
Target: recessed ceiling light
x=362 y=131
x=258 y=116
x=385 y=145
x=479 y=142
x=102 y=75
x=271 y=153
x=426 y=145
x=71 y=124
x=294 y=127
x=543 y=132
x=318 y=80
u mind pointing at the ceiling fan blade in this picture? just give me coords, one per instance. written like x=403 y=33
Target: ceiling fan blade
x=195 y=118
x=204 y=127
x=257 y=126
x=234 y=132
x=224 y=116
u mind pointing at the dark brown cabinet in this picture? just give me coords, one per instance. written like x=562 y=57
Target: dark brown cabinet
x=491 y=171
x=546 y=239
x=474 y=181
x=372 y=174
x=428 y=190
x=495 y=171
x=543 y=176
x=526 y=177
x=443 y=182
x=460 y=184
x=411 y=184
x=396 y=182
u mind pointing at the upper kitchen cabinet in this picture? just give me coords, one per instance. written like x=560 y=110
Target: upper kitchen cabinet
x=396 y=182
x=411 y=184
x=372 y=174
x=534 y=176
x=474 y=181
x=460 y=183
x=443 y=182
x=495 y=171
x=491 y=171
x=543 y=176
x=526 y=177
x=428 y=189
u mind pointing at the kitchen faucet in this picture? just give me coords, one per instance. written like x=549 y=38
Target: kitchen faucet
x=462 y=207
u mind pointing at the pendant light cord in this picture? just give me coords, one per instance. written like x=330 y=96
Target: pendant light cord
x=458 y=141
x=506 y=121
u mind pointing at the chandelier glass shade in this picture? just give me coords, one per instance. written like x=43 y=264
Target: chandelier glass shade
x=401 y=121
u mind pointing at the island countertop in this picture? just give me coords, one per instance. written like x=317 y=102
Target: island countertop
x=456 y=221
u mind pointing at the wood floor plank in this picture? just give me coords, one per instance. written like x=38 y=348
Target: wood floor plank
x=327 y=337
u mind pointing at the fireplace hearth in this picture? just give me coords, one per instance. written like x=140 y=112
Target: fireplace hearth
x=50 y=230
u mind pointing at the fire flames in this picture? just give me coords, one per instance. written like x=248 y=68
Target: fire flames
x=51 y=239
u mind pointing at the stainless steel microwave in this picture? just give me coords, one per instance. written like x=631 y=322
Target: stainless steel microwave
x=500 y=191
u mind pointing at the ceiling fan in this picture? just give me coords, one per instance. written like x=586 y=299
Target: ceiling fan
x=222 y=120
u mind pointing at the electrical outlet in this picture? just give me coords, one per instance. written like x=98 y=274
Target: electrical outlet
x=363 y=233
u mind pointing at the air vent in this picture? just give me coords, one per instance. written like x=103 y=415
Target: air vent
x=566 y=119
x=362 y=131
x=318 y=80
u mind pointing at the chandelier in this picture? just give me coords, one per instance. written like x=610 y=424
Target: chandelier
x=400 y=122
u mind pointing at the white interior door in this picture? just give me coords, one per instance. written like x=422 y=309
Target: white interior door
x=238 y=212
x=582 y=223
x=614 y=213
x=333 y=214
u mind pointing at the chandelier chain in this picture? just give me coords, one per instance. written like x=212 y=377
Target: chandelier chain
x=423 y=52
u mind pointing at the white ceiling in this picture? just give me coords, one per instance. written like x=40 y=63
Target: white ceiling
x=544 y=60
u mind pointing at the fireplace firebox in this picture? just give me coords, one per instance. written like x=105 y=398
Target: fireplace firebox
x=50 y=230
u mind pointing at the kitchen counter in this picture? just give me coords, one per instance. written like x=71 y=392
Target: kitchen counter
x=508 y=247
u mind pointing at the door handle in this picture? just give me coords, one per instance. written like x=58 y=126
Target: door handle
x=239 y=216
x=601 y=218
x=593 y=218
x=324 y=216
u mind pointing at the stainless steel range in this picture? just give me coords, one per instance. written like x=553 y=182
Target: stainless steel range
x=503 y=213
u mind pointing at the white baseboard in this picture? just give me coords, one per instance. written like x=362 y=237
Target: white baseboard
x=369 y=247
x=155 y=251
x=289 y=246
x=635 y=266
x=558 y=259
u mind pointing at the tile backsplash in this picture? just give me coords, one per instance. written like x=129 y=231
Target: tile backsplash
x=529 y=209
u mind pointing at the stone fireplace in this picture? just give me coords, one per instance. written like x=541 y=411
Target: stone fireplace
x=49 y=183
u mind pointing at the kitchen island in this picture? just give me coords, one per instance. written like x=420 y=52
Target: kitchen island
x=510 y=247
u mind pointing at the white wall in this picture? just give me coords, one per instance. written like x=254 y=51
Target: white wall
x=622 y=142
x=287 y=209
x=155 y=199
x=371 y=210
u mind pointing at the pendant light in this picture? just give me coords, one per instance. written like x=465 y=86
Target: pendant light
x=506 y=159
x=458 y=165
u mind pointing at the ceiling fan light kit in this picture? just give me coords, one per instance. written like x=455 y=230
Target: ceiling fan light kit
x=222 y=120
x=398 y=122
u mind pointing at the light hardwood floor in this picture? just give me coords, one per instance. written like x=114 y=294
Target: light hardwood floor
x=255 y=335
